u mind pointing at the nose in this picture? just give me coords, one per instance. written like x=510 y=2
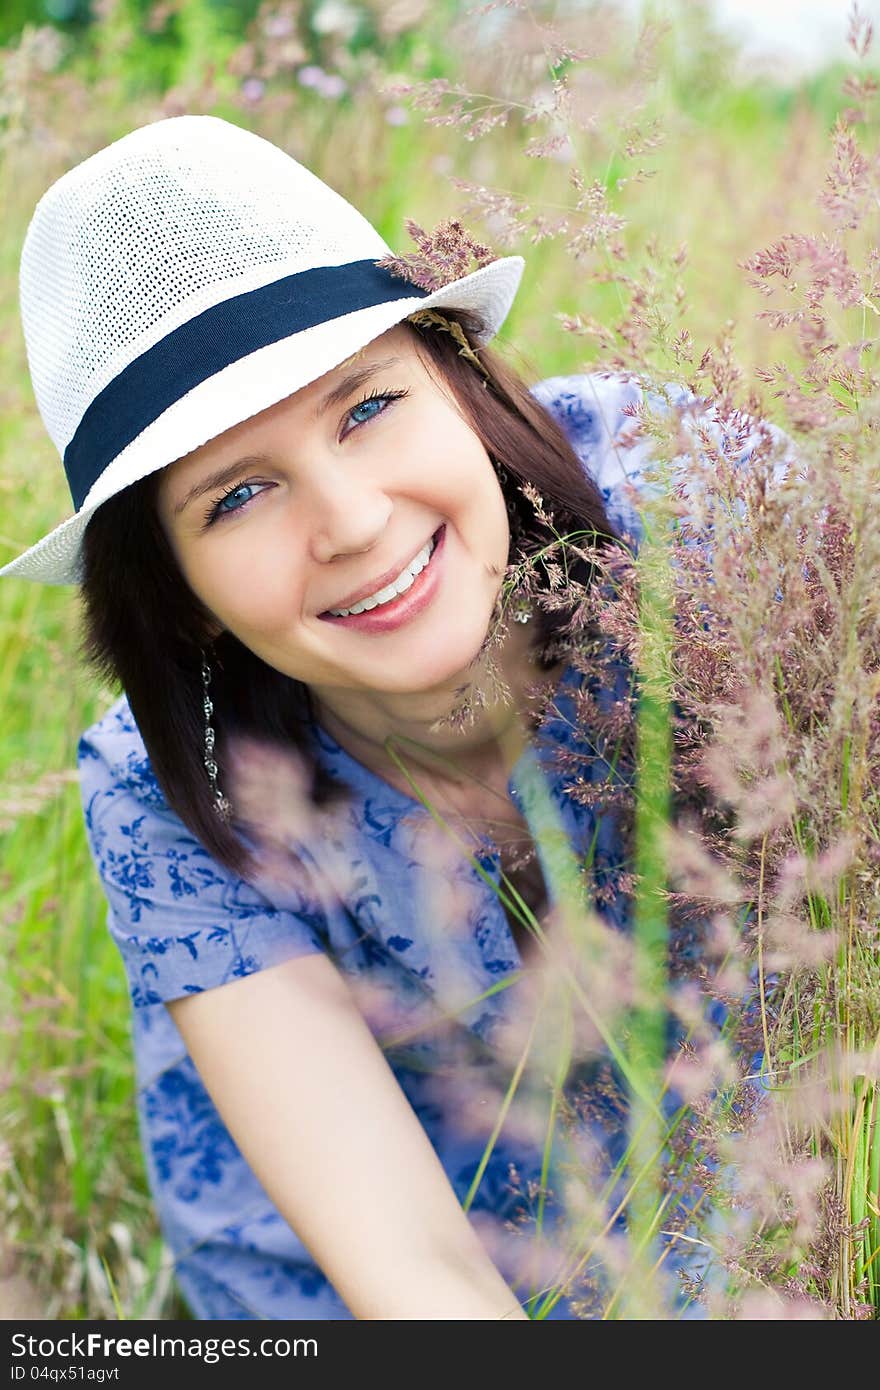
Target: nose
x=345 y=515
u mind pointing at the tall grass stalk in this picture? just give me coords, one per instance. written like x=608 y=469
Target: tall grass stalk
x=647 y=1024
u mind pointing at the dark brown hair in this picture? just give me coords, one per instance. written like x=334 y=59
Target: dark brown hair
x=144 y=629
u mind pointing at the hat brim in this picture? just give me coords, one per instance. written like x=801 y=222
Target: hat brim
x=250 y=385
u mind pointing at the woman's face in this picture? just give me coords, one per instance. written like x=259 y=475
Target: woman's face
x=320 y=501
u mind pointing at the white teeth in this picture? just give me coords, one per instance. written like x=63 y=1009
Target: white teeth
x=397 y=586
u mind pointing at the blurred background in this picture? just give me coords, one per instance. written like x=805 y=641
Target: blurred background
x=799 y=34
x=612 y=144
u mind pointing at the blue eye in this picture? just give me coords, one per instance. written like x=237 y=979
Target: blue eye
x=374 y=400
x=231 y=496
x=232 y=501
x=380 y=400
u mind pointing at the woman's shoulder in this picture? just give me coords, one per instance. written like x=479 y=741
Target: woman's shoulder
x=182 y=921
x=588 y=403
x=600 y=413
x=112 y=758
x=129 y=824
x=596 y=411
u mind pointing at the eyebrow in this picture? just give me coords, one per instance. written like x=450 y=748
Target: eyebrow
x=340 y=392
x=218 y=479
x=351 y=381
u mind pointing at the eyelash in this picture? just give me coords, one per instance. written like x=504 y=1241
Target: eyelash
x=215 y=514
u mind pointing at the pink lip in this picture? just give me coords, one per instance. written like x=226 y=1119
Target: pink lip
x=389 y=616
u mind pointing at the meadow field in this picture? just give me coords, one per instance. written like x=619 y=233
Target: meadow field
x=637 y=172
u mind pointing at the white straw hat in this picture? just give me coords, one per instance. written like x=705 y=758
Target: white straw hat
x=180 y=281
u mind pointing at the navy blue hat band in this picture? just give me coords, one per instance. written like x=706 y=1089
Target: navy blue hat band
x=208 y=343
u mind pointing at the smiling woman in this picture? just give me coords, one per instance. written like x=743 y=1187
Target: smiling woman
x=326 y=512
x=298 y=493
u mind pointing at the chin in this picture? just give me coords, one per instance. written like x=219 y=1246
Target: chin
x=435 y=663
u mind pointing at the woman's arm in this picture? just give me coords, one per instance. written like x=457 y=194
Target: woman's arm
x=309 y=1098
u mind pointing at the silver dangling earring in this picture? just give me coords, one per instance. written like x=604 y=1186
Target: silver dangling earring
x=221 y=805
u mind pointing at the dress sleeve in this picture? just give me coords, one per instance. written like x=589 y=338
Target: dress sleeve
x=182 y=922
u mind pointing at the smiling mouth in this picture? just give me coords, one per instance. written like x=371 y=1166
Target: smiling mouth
x=385 y=614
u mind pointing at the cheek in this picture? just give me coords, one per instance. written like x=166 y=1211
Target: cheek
x=487 y=511
x=247 y=587
x=466 y=480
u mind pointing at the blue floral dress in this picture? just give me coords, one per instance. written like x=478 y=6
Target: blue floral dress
x=424 y=930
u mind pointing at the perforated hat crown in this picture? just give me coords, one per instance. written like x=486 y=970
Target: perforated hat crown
x=180 y=281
